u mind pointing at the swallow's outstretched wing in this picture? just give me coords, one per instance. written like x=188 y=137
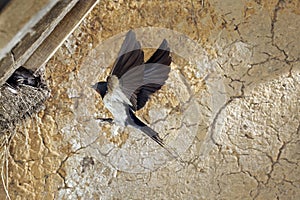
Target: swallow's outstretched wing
x=130 y=56
x=161 y=55
x=142 y=81
x=153 y=81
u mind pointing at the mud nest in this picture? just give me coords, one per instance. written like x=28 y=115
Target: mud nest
x=21 y=101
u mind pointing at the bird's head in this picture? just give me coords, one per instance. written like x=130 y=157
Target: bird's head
x=101 y=88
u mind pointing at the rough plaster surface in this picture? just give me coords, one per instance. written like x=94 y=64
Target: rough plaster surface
x=235 y=126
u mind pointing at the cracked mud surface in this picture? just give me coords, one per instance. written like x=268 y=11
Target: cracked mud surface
x=230 y=109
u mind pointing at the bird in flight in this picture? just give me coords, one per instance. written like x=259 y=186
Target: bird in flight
x=132 y=81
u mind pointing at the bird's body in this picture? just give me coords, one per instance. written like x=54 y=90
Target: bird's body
x=116 y=102
x=132 y=82
x=23 y=76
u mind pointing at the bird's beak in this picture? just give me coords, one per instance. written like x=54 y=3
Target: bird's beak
x=94 y=86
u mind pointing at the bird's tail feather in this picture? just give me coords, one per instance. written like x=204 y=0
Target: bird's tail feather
x=154 y=136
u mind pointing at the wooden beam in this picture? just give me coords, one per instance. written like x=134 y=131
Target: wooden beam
x=18 y=18
x=45 y=51
x=30 y=42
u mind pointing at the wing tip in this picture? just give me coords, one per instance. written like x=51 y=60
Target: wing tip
x=164 y=45
x=130 y=33
x=131 y=36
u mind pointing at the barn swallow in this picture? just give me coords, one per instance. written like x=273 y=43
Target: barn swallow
x=23 y=76
x=132 y=81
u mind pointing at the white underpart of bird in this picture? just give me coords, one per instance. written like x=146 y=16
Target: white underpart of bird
x=114 y=101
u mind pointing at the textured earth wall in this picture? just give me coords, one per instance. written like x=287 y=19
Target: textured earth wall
x=230 y=108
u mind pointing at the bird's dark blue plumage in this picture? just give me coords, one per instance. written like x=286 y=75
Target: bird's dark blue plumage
x=23 y=76
x=101 y=88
